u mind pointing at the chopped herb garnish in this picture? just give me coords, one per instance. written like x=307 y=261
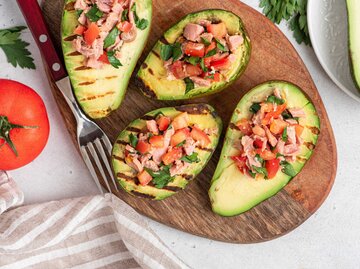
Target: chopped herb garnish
x=210 y=53
x=279 y=155
x=193 y=60
x=124 y=15
x=260 y=170
x=210 y=76
x=79 y=12
x=275 y=100
x=162 y=177
x=140 y=23
x=205 y=41
x=113 y=60
x=181 y=144
x=286 y=115
x=255 y=107
x=166 y=52
x=284 y=135
x=133 y=140
x=193 y=158
x=288 y=169
x=220 y=46
x=94 y=14
x=176 y=51
x=202 y=65
x=261 y=160
x=252 y=174
x=111 y=37
x=158 y=114
x=189 y=85
x=169 y=127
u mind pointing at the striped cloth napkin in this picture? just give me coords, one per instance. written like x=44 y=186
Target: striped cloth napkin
x=87 y=232
x=10 y=194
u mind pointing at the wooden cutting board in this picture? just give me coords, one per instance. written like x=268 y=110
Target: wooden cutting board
x=273 y=57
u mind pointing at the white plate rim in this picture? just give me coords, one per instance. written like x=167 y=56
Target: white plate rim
x=318 y=55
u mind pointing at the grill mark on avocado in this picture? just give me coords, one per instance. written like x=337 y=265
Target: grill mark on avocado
x=87 y=83
x=147 y=117
x=151 y=71
x=110 y=77
x=205 y=149
x=172 y=188
x=233 y=126
x=309 y=145
x=122 y=142
x=198 y=109
x=187 y=177
x=74 y=53
x=301 y=159
x=94 y=96
x=118 y=158
x=133 y=129
x=314 y=130
x=70 y=38
x=163 y=40
x=156 y=54
x=144 y=66
x=145 y=89
x=121 y=175
x=82 y=68
x=144 y=195
x=70 y=6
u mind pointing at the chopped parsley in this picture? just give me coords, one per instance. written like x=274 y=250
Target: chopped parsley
x=140 y=23
x=133 y=140
x=162 y=177
x=193 y=60
x=260 y=170
x=113 y=60
x=189 y=85
x=79 y=12
x=94 y=14
x=125 y=15
x=220 y=46
x=284 y=135
x=205 y=41
x=255 y=107
x=275 y=100
x=181 y=144
x=170 y=51
x=210 y=53
x=111 y=37
x=288 y=169
x=193 y=158
x=202 y=65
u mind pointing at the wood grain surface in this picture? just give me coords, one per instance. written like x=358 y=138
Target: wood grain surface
x=273 y=57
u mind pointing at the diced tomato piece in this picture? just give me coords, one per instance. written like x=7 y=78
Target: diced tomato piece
x=163 y=122
x=172 y=155
x=157 y=141
x=193 y=70
x=181 y=121
x=272 y=166
x=179 y=136
x=143 y=147
x=91 y=33
x=266 y=154
x=178 y=70
x=273 y=114
x=217 y=77
x=277 y=126
x=221 y=64
x=125 y=26
x=79 y=30
x=258 y=143
x=144 y=177
x=299 y=130
x=103 y=58
x=244 y=126
x=218 y=30
x=267 y=107
x=201 y=136
x=194 y=49
x=210 y=47
x=240 y=162
x=207 y=61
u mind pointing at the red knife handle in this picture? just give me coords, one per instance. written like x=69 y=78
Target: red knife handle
x=35 y=20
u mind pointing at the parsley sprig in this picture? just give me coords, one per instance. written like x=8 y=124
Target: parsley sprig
x=15 y=49
x=293 y=11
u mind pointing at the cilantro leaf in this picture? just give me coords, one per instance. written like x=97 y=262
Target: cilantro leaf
x=288 y=169
x=125 y=15
x=111 y=37
x=94 y=14
x=133 y=140
x=79 y=12
x=202 y=65
x=193 y=60
x=113 y=60
x=176 y=51
x=210 y=53
x=193 y=158
x=284 y=135
x=166 y=52
x=255 y=107
x=181 y=144
x=220 y=46
x=205 y=41
x=189 y=85
x=15 y=48
x=275 y=100
x=260 y=170
x=140 y=23
x=162 y=177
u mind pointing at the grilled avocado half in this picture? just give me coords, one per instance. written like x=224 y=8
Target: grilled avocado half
x=152 y=75
x=100 y=91
x=232 y=192
x=201 y=114
x=353 y=8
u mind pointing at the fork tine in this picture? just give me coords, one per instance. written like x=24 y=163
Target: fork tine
x=97 y=161
x=99 y=146
x=90 y=167
x=107 y=143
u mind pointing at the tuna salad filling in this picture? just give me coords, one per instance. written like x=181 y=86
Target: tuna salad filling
x=201 y=55
x=165 y=149
x=271 y=138
x=104 y=26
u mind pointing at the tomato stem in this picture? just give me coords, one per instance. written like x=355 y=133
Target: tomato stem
x=5 y=128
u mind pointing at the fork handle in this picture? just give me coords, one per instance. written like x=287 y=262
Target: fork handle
x=35 y=20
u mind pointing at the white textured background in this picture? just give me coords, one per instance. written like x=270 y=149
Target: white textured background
x=329 y=239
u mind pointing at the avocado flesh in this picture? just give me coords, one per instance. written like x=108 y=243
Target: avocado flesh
x=100 y=91
x=232 y=192
x=152 y=74
x=201 y=114
x=353 y=8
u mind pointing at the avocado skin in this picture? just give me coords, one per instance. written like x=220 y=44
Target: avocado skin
x=353 y=9
x=232 y=193
x=152 y=78
x=101 y=91
x=202 y=114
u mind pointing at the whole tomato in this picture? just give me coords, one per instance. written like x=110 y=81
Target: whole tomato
x=24 y=125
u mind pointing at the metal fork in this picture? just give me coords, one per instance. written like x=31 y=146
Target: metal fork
x=92 y=141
